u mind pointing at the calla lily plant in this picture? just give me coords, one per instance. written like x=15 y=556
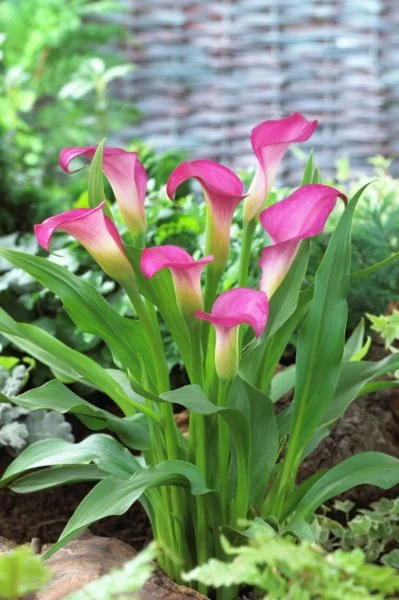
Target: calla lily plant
x=241 y=456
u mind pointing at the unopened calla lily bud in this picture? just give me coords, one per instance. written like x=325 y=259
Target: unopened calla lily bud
x=127 y=178
x=230 y=310
x=96 y=232
x=270 y=141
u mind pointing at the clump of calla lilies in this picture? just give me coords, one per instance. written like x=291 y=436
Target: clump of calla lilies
x=241 y=457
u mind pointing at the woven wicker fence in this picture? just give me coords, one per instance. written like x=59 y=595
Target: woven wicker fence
x=210 y=70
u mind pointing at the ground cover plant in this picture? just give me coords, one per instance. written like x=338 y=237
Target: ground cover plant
x=279 y=568
x=241 y=458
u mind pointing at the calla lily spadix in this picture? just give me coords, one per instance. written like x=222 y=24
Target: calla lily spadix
x=301 y=215
x=185 y=271
x=230 y=310
x=270 y=141
x=127 y=177
x=96 y=232
x=223 y=191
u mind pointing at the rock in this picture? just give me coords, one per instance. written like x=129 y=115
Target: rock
x=82 y=560
x=159 y=587
x=90 y=556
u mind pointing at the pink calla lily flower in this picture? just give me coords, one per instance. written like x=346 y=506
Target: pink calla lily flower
x=301 y=215
x=127 y=177
x=96 y=233
x=185 y=271
x=223 y=191
x=270 y=141
x=230 y=310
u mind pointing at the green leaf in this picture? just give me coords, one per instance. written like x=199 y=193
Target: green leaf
x=322 y=336
x=373 y=468
x=89 y=311
x=264 y=434
x=193 y=398
x=115 y=496
x=108 y=454
x=21 y=573
x=353 y=376
x=55 y=476
x=67 y=363
x=282 y=383
x=308 y=172
x=54 y=395
x=354 y=342
x=95 y=189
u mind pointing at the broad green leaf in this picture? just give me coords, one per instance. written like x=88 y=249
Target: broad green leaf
x=66 y=362
x=282 y=383
x=373 y=468
x=95 y=190
x=260 y=361
x=108 y=454
x=321 y=339
x=115 y=496
x=54 y=395
x=264 y=434
x=353 y=382
x=355 y=342
x=55 y=476
x=353 y=376
x=89 y=311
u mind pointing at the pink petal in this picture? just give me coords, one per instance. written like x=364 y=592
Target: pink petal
x=222 y=189
x=237 y=306
x=270 y=141
x=126 y=176
x=301 y=215
x=173 y=257
x=95 y=232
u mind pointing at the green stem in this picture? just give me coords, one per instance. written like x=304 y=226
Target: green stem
x=286 y=478
x=197 y=446
x=245 y=258
x=223 y=451
x=175 y=497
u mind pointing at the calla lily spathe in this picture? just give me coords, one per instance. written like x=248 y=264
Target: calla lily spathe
x=185 y=271
x=223 y=191
x=301 y=215
x=127 y=177
x=230 y=310
x=96 y=232
x=270 y=141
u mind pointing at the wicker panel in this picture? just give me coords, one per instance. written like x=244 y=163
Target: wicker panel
x=210 y=70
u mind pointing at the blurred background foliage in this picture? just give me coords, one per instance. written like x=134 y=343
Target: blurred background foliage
x=58 y=61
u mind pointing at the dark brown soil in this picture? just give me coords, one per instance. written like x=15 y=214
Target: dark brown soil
x=45 y=514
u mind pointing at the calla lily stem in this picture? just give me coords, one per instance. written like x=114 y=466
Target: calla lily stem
x=245 y=257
